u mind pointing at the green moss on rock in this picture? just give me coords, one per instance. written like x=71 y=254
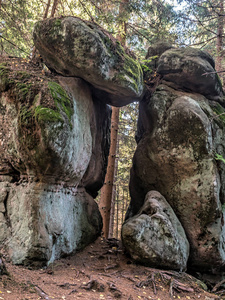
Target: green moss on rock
x=47 y=114
x=61 y=99
x=4 y=77
x=219 y=111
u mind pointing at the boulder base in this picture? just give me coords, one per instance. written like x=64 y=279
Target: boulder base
x=155 y=237
x=48 y=221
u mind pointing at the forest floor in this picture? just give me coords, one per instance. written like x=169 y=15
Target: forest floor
x=100 y=271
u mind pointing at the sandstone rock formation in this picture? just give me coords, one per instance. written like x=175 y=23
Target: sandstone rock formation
x=179 y=134
x=51 y=133
x=190 y=70
x=155 y=237
x=73 y=47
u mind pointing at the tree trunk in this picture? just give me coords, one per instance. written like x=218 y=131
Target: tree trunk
x=117 y=213
x=33 y=56
x=54 y=6
x=219 y=39
x=113 y=200
x=47 y=9
x=112 y=213
x=106 y=192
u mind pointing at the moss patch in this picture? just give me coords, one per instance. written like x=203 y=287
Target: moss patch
x=219 y=111
x=4 y=77
x=61 y=99
x=127 y=66
x=47 y=114
x=35 y=96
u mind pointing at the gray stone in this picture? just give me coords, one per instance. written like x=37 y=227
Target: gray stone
x=73 y=47
x=191 y=70
x=153 y=55
x=155 y=237
x=176 y=156
x=48 y=147
x=48 y=221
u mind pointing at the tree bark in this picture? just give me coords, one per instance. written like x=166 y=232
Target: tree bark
x=54 y=6
x=106 y=192
x=33 y=56
x=47 y=9
x=113 y=199
x=219 y=39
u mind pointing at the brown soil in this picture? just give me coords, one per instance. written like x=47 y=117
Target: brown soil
x=101 y=271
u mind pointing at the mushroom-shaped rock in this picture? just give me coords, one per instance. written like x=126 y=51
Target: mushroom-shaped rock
x=54 y=144
x=155 y=236
x=191 y=70
x=73 y=47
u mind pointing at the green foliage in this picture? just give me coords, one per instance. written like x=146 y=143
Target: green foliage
x=198 y=25
x=126 y=140
x=22 y=90
x=25 y=115
x=148 y=21
x=220 y=112
x=219 y=157
x=4 y=78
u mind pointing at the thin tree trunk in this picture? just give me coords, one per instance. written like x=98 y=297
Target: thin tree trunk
x=47 y=9
x=113 y=201
x=33 y=56
x=106 y=192
x=122 y=208
x=112 y=213
x=54 y=6
x=219 y=39
x=117 y=213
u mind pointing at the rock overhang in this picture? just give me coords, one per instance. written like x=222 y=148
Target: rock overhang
x=78 y=48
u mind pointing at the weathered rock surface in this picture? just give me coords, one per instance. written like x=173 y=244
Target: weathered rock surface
x=155 y=236
x=48 y=221
x=73 y=47
x=153 y=55
x=51 y=132
x=180 y=133
x=191 y=70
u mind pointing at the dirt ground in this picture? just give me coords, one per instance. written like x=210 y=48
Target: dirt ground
x=101 y=271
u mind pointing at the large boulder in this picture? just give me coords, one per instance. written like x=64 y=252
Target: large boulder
x=49 y=221
x=51 y=132
x=191 y=70
x=73 y=47
x=180 y=134
x=155 y=237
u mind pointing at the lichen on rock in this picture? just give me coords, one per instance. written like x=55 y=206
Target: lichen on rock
x=180 y=138
x=50 y=131
x=155 y=237
x=78 y=48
